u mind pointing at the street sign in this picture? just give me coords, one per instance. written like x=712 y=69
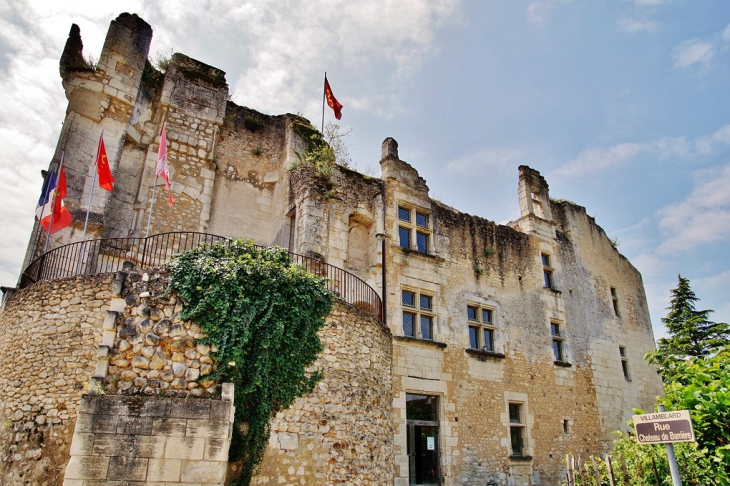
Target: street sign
x=664 y=427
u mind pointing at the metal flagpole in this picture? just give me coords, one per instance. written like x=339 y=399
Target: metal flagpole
x=93 y=183
x=323 y=97
x=671 y=458
x=152 y=205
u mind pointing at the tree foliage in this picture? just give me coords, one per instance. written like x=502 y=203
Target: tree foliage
x=692 y=334
x=263 y=314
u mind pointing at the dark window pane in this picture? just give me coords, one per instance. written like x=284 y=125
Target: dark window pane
x=408 y=324
x=404 y=214
x=422 y=220
x=422 y=241
x=421 y=407
x=546 y=260
x=488 y=340
x=555 y=329
x=515 y=415
x=613 y=292
x=516 y=439
x=471 y=313
x=473 y=343
x=486 y=316
x=426 y=323
x=558 y=350
x=405 y=237
x=622 y=351
x=548 y=279
x=426 y=302
x=625 y=367
x=409 y=298
x=615 y=307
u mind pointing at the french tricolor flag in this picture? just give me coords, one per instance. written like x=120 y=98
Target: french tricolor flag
x=51 y=210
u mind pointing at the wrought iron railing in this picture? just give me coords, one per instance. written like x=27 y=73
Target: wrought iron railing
x=109 y=254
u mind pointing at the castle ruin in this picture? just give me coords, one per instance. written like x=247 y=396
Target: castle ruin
x=490 y=352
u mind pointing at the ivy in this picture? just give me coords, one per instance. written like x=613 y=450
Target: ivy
x=262 y=313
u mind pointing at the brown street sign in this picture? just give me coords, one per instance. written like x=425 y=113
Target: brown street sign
x=664 y=427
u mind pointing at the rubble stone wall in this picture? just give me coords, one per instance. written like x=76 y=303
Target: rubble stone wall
x=49 y=336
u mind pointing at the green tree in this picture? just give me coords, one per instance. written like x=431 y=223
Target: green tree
x=692 y=333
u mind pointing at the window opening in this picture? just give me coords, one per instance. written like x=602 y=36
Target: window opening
x=614 y=299
x=516 y=429
x=418 y=233
x=566 y=427
x=624 y=363
x=481 y=329
x=547 y=271
x=421 y=315
x=557 y=341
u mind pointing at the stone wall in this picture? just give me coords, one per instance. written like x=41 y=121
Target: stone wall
x=150 y=350
x=150 y=440
x=49 y=336
x=342 y=432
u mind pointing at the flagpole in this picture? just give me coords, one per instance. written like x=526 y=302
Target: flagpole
x=53 y=204
x=152 y=204
x=93 y=183
x=323 y=98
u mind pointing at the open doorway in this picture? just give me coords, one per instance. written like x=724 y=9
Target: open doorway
x=423 y=439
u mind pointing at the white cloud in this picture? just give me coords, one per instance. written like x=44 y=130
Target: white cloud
x=628 y=24
x=484 y=159
x=538 y=11
x=275 y=54
x=593 y=160
x=693 y=51
x=703 y=217
x=597 y=159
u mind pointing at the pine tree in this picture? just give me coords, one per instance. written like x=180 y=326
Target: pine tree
x=692 y=334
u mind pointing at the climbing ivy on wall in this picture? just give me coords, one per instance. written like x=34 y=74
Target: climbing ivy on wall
x=263 y=314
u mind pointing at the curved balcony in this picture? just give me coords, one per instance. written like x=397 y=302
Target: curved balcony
x=109 y=254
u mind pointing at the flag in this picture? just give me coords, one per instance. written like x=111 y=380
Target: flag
x=106 y=180
x=161 y=170
x=53 y=220
x=331 y=100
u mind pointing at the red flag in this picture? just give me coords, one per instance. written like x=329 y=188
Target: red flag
x=331 y=100
x=161 y=170
x=106 y=180
x=60 y=217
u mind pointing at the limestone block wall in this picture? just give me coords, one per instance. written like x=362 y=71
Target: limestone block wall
x=49 y=336
x=342 y=432
x=150 y=440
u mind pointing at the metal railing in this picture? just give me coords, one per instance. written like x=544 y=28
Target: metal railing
x=109 y=254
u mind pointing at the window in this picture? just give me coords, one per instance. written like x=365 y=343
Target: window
x=614 y=298
x=481 y=328
x=558 y=340
x=547 y=271
x=566 y=426
x=409 y=233
x=417 y=314
x=516 y=429
x=624 y=362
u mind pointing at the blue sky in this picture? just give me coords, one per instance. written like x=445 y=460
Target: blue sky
x=624 y=105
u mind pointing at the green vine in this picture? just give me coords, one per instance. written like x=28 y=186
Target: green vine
x=263 y=313
x=319 y=155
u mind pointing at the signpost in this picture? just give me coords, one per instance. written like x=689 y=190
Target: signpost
x=665 y=428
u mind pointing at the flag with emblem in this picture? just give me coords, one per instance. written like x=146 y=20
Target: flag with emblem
x=106 y=180
x=331 y=100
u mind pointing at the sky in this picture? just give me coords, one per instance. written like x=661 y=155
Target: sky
x=622 y=105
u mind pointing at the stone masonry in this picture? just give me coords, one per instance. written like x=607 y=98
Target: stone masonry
x=151 y=441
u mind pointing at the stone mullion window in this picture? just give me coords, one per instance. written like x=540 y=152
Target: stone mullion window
x=418 y=316
x=558 y=341
x=516 y=430
x=624 y=363
x=481 y=328
x=547 y=271
x=414 y=230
